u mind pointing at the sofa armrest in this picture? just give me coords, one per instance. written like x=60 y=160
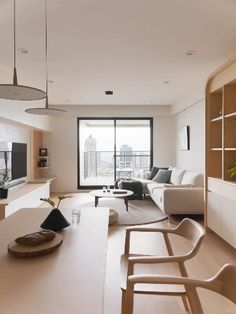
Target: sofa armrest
x=183 y=200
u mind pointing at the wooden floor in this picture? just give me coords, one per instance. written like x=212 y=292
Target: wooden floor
x=213 y=254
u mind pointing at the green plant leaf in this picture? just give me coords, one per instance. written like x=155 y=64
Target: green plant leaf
x=48 y=200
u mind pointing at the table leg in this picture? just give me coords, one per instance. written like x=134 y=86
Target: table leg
x=126 y=202
x=96 y=201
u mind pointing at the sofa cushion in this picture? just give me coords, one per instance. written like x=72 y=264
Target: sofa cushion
x=193 y=178
x=176 y=175
x=152 y=186
x=162 y=176
x=154 y=172
x=144 y=183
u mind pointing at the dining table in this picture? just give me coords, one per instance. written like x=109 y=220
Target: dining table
x=69 y=280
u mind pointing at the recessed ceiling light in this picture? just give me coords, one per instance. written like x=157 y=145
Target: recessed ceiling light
x=23 y=50
x=191 y=52
x=166 y=82
x=109 y=92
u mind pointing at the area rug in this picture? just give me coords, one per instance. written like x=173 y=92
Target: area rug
x=140 y=211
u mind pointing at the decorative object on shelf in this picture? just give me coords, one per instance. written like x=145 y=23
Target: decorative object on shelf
x=232 y=171
x=42 y=163
x=43 y=152
x=184 y=138
x=46 y=110
x=55 y=220
x=19 y=92
x=4 y=183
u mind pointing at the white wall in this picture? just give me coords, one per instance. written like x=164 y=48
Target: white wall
x=62 y=141
x=13 y=132
x=15 y=111
x=194 y=117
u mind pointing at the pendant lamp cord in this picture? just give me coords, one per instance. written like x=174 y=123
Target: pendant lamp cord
x=46 y=51
x=14 y=44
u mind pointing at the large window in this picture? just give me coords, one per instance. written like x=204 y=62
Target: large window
x=109 y=149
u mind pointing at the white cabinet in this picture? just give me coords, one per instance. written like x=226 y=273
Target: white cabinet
x=228 y=217
x=27 y=195
x=221 y=216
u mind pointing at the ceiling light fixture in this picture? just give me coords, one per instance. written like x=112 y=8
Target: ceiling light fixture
x=191 y=52
x=46 y=110
x=23 y=50
x=109 y=92
x=19 y=92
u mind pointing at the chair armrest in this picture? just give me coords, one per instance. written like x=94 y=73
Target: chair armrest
x=157 y=259
x=168 y=280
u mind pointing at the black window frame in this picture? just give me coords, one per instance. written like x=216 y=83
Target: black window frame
x=93 y=187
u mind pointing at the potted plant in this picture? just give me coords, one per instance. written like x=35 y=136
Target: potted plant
x=55 y=220
x=4 y=183
x=232 y=171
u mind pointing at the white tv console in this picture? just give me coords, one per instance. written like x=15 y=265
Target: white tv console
x=25 y=195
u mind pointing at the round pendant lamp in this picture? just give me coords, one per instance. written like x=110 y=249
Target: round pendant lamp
x=46 y=110
x=15 y=91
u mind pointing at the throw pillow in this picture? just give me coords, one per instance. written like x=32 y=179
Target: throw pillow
x=162 y=176
x=193 y=178
x=176 y=175
x=154 y=171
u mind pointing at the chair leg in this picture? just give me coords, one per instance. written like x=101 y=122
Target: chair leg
x=128 y=299
x=123 y=302
x=185 y=303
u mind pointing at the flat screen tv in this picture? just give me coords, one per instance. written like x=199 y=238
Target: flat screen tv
x=13 y=160
x=19 y=160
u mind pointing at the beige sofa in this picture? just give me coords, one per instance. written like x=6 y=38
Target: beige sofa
x=183 y=195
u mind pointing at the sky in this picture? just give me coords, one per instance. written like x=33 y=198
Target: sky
x=136 y=137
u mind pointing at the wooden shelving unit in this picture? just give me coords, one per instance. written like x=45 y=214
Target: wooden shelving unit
x=37 y=171
x=221 y=153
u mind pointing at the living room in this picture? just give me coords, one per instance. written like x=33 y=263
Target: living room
x=165 y=73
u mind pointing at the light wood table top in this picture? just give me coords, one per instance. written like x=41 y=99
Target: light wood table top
x=70 y=280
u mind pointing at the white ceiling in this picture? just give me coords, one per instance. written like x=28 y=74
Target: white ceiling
x=128 y=46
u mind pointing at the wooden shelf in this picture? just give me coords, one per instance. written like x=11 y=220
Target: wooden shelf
x=220 y=189
x=231 y=115
x=217 y=119
x=36 y=159
x=217 y=149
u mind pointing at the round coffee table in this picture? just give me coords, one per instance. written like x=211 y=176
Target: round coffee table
x=113 y=193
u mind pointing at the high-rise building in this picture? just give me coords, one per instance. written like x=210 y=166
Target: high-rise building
x=90 y=157
x=126 y=158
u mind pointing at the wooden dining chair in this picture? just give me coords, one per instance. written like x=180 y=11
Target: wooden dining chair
x=224 y=283
x=188 y=229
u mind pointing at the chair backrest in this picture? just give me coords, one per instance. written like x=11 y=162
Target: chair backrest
x=224 y=282
x=192 y=231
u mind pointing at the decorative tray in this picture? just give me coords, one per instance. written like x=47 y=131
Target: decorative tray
x=24 y=251
x=119 y=192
